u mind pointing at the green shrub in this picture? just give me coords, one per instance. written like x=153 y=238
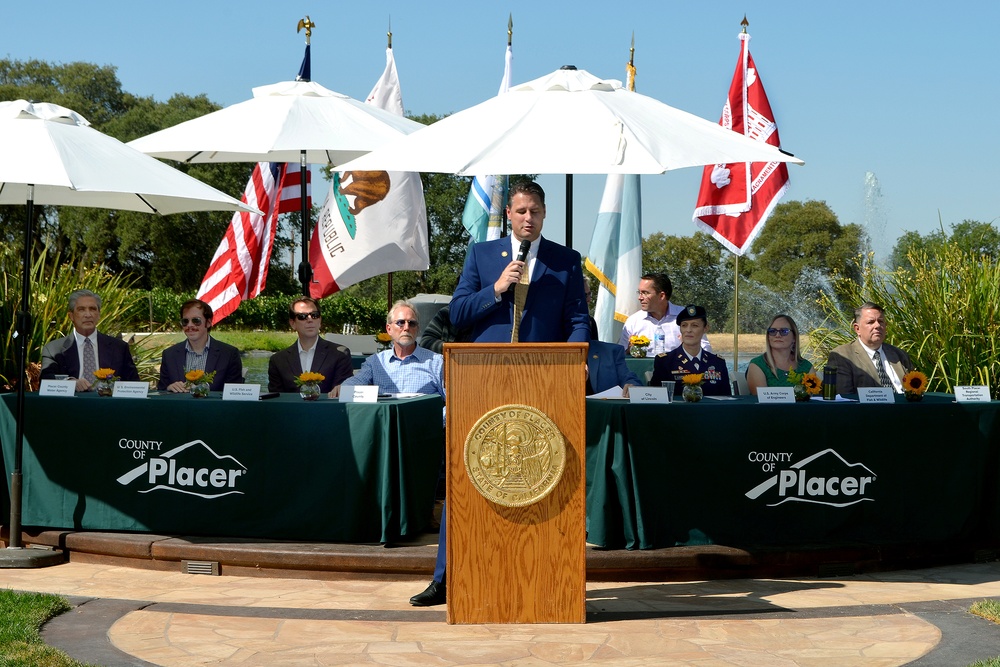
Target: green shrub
x=945 y=313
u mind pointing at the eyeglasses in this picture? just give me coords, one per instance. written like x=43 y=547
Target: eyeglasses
x=784 y=331
x=645 y=293
x=194 y=320
x=402 y=323
x=305 y=316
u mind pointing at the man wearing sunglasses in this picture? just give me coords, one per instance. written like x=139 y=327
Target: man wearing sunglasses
x=198 y=352
x=311 y=352
x=405 y=367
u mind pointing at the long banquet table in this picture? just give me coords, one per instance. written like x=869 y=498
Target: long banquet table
x=742 y=473
x=281 y=468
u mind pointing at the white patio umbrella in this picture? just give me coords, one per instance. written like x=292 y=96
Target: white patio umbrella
x=291 y=121
x=568 y=122
x=51 y=156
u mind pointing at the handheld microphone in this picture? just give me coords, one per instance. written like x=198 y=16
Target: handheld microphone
x=522 y=252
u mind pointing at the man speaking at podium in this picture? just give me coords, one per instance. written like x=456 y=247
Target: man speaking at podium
x=522 y=288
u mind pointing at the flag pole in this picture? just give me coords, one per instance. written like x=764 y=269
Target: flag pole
x=388 y=286
x=736 y=277
x=305 y=74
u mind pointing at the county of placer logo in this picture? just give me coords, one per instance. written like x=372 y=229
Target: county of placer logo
x=824 y=478
x=192 y=468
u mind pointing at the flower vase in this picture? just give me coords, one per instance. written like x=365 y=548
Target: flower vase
x=801 y=394
x=200 y=390
x=692 y=393
x=309 y=391
x=637 y=351
x=104 y=387
x=914 y=397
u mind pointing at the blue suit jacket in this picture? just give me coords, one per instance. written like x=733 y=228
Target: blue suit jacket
x=222 y=358
x=60 y=357
x=555 y=311
x=606 y=363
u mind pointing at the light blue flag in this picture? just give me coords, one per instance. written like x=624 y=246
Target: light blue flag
x=615 y=256
x=483 y=215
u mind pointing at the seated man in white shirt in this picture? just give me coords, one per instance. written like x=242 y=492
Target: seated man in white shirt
x=869 y=361
x=656 y=314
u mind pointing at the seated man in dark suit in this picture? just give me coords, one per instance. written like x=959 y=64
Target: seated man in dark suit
x=199 y=352
x=311 y=352
x=85 y=349
x=869 y=361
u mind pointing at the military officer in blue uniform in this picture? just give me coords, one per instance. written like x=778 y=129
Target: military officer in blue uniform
x=691 y=358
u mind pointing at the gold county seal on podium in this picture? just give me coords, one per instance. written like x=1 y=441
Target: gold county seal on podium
x=515 y=455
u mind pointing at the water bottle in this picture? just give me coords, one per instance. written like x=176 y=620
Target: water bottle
x=829 y=383
x=659 y=341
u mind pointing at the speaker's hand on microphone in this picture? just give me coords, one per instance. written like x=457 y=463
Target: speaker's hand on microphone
x=510 y=276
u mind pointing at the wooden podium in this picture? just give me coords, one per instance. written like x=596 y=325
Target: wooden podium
x=516 y=564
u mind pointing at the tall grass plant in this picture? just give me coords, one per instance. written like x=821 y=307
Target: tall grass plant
x=945 y=313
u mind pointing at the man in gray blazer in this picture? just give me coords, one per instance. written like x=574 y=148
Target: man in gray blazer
x=310 y=352
x=67 y=355
x=869 y=361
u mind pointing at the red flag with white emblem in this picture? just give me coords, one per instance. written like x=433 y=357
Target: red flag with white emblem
x=735 y=199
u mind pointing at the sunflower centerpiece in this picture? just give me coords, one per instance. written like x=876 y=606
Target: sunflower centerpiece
x=382 y=341
x=308 y=384
x=637 y=345
x=198 y=382
x=805 y=385
x=104 y=384
x=914 y=385
x=693 y=392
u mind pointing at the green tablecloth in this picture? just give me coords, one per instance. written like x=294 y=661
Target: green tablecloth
x=730 y=472
x=282 y=468
x=639 y=365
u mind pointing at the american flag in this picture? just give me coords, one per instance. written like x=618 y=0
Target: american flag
x=239 y=268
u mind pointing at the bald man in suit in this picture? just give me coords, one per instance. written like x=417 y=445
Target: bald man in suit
x=855 y=361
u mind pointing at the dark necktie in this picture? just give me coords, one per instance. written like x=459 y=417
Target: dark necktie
x=89 y=360
x=883 y=377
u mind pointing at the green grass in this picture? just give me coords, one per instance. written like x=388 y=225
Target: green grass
x=990 y=610
x=244 y=341
x=21 y=616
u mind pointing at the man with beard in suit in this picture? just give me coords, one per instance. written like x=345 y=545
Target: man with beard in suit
x=868 y=361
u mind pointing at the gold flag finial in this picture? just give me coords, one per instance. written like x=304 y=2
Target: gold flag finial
x=389 y=34
x=510 y=28
x=630 y=67
x=744 y=23
x=308 y=25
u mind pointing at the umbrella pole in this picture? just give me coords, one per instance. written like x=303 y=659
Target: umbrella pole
x=305 y=269
x=23 y=331
x=569 y=210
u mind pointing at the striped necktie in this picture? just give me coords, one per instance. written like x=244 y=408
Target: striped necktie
x=89 y=360
x=883 y=377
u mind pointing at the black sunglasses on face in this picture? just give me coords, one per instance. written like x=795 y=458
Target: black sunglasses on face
x=304 y=316
x=784 y=331
x=194 y=320
x=413 y=323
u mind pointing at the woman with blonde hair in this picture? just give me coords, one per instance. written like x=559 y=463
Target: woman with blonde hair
x=782 y=353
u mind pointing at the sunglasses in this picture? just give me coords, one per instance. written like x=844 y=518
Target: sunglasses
x=305 y=316
x=784 y=331
x=401 y=323
x=194 y=320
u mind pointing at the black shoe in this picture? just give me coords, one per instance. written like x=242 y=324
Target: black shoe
x=434 y=594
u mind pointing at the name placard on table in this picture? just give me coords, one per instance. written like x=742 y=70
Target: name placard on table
x=57 y=388
x=240 y=392
x=775 y=395
x=359 y=393
x=876 y=395
x=976 y=393
x=130 y=389
x=650 y=394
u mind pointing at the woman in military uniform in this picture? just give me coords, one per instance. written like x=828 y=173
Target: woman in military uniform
x=691 y=358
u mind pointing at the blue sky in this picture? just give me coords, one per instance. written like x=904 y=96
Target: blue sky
x=906 y=91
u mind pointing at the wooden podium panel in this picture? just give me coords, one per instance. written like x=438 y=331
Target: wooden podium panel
x=516 y=564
